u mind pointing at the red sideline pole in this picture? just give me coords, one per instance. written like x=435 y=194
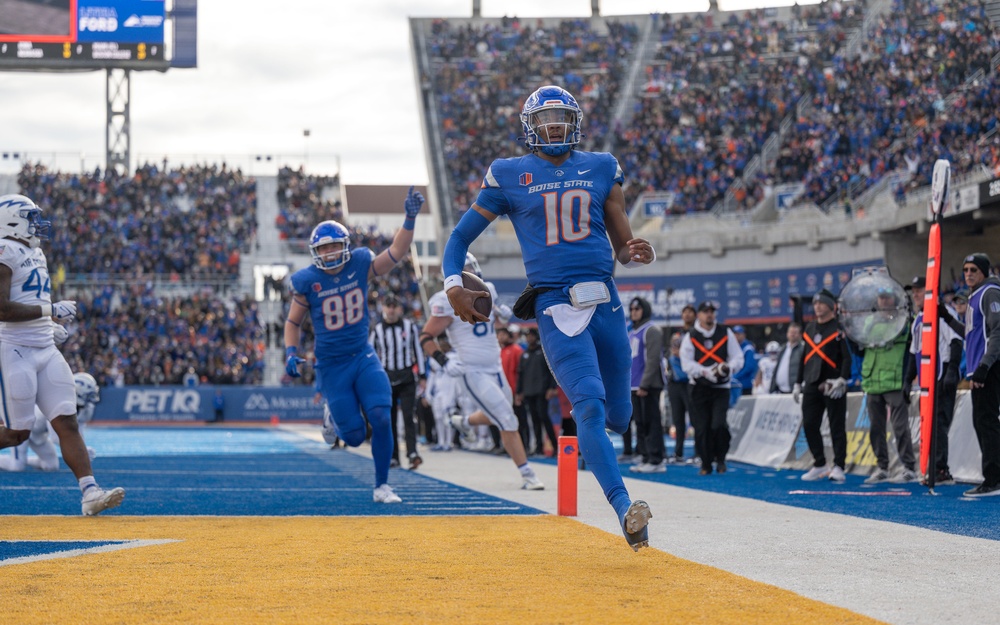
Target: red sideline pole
x=568 y=469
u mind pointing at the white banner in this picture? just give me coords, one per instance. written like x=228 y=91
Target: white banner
x=767 y=437
x=771 y=433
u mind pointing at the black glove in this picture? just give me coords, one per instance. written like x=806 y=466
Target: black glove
x=979 y=375
x=950 y=376
x=907 y=390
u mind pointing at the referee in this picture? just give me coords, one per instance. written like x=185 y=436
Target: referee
x=395 y=341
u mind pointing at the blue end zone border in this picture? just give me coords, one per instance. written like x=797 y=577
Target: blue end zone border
x=237 y=472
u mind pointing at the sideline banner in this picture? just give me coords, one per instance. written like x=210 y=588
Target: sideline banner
x=188 y=404
x=767 y=431
x=771 y=431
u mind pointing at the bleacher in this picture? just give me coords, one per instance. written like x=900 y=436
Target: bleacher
x=711 y=111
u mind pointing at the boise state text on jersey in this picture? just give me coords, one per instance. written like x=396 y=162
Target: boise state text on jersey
x=338 y=305
x=557 y=213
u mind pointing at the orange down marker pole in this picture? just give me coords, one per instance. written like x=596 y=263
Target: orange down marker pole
x=568 y=469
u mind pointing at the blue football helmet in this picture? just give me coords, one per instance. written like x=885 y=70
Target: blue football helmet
x=549 y=107
x=473 y=264
x=330 y=232
x=21 y=219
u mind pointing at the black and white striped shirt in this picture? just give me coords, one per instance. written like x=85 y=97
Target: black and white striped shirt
x=397 y=347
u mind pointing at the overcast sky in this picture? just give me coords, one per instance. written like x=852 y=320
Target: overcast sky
x=267 y=70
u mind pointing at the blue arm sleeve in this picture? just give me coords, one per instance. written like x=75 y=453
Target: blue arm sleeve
x=469 y=227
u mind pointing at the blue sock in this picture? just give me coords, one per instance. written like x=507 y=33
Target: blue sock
x=381 y=443
x=599 y=453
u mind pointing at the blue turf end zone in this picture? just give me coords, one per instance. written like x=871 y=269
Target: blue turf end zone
x=219 y=472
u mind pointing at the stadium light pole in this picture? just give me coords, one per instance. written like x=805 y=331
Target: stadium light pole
x=305 y=141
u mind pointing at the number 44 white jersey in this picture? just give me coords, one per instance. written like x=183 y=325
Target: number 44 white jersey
x=476 y=344
x=29 y=285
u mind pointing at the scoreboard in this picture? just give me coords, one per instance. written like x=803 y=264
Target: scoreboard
x=82 y=34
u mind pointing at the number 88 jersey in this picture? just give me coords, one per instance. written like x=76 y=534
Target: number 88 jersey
x=29 y=285
x=338 y=305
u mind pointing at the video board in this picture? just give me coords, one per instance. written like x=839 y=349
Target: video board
x=82 y=34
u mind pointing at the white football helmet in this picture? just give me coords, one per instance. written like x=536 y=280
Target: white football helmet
x=773 y=347
x=21 y=219
x=473 y=264
x=87 y=390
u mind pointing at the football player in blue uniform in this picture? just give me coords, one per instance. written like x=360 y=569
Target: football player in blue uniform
x=334 y=292
x=565 y=204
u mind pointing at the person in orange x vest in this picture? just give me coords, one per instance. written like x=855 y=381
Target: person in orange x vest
x=822 y=387
x=710 y=354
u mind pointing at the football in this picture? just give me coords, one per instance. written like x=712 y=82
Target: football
x=483 y=305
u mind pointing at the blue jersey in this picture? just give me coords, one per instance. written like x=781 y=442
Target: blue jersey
x=338 y=305
x=557 y=213
x=977 y=335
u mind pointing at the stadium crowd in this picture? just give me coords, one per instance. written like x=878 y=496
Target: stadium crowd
x=132 y=335
x=189 y=222
x=480 y=74
x=718 y=87
x=715 y=93
x=301 y=204
x=903 y=103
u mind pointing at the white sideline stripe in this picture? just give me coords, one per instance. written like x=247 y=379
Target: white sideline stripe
x=131 y=544
x=189 y=489
x=893 y=572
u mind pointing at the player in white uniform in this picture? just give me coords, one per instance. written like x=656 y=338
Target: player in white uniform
x=43 y=439
x=443 y=391
x=767 y=365
x=32 y=370
x=481 y=375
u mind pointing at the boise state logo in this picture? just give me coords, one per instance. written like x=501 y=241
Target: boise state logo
x=525 y=179
x=317 y=287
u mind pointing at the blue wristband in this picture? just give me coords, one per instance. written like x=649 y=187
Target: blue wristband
x=408 y=223
x=291 y=351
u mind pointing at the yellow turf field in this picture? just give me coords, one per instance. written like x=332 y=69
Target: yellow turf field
x=378 y=570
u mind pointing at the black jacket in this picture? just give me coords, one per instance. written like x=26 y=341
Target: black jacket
x=533 y=374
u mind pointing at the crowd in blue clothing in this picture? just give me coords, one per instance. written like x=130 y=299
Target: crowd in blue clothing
x=183 y=225
x=715 y=92
x=301 y=204
x=481 y=73
x=889 y=108
x=132 y=335
x=189 y=222
x=720 y=85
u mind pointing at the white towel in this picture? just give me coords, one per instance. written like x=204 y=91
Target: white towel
x=569 y=319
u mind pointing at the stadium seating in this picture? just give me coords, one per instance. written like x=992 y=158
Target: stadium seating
x=714 y=87
x=133 y=335
x=191 y=222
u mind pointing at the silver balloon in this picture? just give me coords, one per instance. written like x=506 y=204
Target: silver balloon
x=873 y=308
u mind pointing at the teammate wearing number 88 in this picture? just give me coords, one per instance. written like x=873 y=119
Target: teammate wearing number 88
x=32 y=370
x=564 y=205
x=333 y=291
